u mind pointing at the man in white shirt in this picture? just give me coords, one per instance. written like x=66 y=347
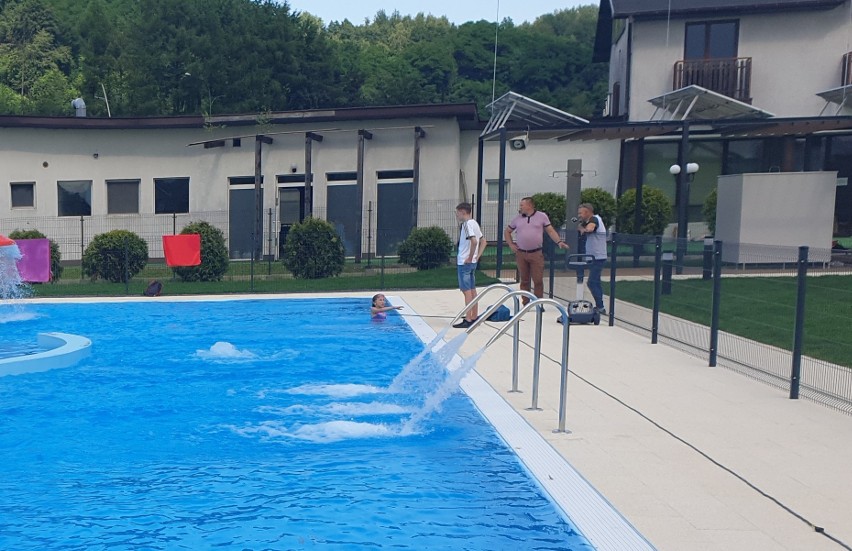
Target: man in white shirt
x=471 y=245
x=592 y=227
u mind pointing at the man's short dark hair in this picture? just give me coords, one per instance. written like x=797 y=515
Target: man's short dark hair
x=465 y=207
x=529 y=200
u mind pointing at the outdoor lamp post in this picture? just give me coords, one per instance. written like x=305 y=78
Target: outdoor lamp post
x=683 y=180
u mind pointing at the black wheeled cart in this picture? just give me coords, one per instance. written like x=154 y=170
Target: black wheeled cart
x=581 y=311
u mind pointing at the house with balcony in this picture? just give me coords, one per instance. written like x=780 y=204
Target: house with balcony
x=758 y=86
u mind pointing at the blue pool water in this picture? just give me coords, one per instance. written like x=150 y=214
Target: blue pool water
x=257 y=424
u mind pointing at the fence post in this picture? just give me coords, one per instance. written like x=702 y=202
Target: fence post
x=382 y=273
x=126 y=268
x=271 y=246
x=717 y=300
x=174 y=223
x=799 y=328
x=251 y=262
x=82 y=247
x=369 y=231
x=707 y=267
x=658 y=261
x=612 y=265
x=668 y=261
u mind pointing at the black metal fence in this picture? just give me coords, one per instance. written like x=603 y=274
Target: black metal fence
x=780 y=315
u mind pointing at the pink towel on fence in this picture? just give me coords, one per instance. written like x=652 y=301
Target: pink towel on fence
x=182 y=250
x=34 y=265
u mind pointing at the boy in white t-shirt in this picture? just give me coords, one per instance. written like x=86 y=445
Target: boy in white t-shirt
x=471 y=245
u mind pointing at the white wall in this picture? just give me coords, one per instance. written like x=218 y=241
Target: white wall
x=532 y=170
x=161 y=153
x=778 y=212
x=794 y=55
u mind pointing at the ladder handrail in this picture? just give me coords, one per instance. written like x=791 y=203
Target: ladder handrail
x=478 y=297
x=493 y=308
x=512 y=323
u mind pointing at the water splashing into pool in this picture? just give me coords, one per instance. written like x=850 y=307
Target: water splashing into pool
x=11 y=285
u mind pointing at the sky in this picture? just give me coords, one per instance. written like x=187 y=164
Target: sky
x=457 y=11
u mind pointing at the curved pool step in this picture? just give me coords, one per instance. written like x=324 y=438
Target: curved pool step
x=64 y=350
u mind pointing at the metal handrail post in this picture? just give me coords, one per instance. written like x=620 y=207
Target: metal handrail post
x=536 y=360
x=563 y=384
x=563 y=380
x=516 y=341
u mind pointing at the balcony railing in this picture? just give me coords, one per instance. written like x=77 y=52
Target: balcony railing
x=728 y=76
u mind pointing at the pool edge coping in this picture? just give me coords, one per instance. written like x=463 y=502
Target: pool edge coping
x=593 y=515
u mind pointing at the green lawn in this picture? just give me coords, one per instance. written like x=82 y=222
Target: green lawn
x=360 y=278
x=763 y=309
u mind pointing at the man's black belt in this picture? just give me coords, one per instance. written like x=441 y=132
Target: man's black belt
x=530 y=250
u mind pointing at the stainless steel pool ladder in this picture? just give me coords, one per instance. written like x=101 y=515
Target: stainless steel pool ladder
x=538 y=305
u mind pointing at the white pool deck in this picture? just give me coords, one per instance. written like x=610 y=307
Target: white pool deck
x=696 y=458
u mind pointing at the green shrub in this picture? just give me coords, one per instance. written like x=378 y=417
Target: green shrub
x=656 y=210
x=709 y=211
x=426 y=248
x=214 y=254
x=55 y=256
x=553 y=205
x=603 y=201
x=115 y=256
x=313 y=250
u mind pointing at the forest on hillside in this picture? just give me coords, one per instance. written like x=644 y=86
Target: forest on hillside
x=213 y=57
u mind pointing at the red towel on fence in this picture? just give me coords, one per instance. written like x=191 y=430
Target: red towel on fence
x=34 y=265
x=182 y=250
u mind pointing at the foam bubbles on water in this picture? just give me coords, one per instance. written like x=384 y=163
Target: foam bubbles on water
x=225 y=351
x=331 y=431
x=353 y=409
x=337 y=391
x=16 y=315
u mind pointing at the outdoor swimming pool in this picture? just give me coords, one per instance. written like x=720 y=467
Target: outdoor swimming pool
x=251 y=424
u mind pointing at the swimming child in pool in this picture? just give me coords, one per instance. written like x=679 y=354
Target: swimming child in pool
x=378 y=309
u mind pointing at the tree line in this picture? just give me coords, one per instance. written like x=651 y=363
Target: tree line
x=210 y=57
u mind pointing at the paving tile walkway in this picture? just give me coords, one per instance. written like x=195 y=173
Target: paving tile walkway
x=696 y=458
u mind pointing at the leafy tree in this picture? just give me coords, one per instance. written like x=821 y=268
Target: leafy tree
x=29 y=44
x=656 y=210
x=552 y=204
x=709 y=210
x=603 y=201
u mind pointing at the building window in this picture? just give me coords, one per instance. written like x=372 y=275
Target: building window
x=23 y=194
x=171 y=195
x=711 y=40
x=74 y=198
x=122 y=196
x=492 y=194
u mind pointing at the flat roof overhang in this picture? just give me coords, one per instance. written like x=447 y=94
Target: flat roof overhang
x=465 y=113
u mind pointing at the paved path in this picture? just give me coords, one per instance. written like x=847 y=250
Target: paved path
x=697 y=458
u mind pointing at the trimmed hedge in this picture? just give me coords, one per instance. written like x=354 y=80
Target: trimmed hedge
x=55 y=256
x=426 y=248
x=214 y=254
x=313 y=250
x=116 y=256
